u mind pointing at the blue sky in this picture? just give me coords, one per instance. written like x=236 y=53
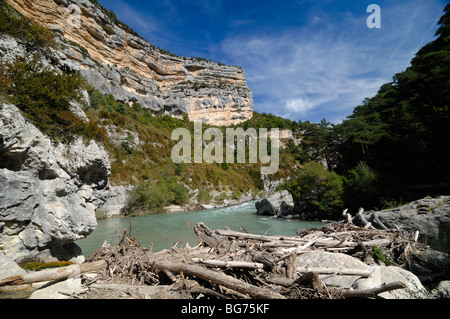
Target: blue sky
x=304 y=60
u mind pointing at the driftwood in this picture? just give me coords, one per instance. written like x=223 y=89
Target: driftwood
x=366 y=224
x=150 y=292
x=220 y=279
x=229 y=264
x=54 y=274
x=373 y=293
x=377 y=220
x=253 y=265
x=239 y=265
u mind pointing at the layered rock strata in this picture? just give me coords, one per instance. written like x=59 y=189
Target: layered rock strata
x=117 y=61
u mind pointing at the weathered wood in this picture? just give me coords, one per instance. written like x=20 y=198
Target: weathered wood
x=231 y=233
x=366 y=224
x=309 y=280
x=283 y=240
x=210 y=238
x=54 y=274
x=253 y=265
x=229 y=264
x=209 y=292
x=152 y=292
x=377 y=242
x=263 y=259
x=291 y=266
x=335 y=271
x=220 y=279
x=373 y=292
x=378 y=221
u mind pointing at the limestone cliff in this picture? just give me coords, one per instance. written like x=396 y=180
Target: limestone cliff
x=48 y=191
x=117 y=61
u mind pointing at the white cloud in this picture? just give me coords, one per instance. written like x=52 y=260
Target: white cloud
x=312 y=72
x=300 y=106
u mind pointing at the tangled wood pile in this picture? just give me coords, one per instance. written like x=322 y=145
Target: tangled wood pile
x=235 y=265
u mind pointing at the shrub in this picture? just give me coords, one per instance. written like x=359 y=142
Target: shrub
x=44 y=96
x=18 y=26
x=317 y=190
x=361 y=187
x=152 y=197
x=378 y=256
x=204 y=197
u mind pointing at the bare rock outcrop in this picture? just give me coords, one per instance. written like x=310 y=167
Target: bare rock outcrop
x=48 y=191
x=116 y=60
x=279 y=204
x=429 y=217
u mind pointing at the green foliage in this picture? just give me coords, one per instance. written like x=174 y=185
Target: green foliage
x=44 y=96
x=268 y=121
x=361 y=187
x=319 y=143
x=378 y=256
x=18 y=26
x=204 y=197
x=317 y=190
x=152 y=197
x=36 y=266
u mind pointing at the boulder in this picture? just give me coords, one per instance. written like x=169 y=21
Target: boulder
x=429 y=216
x=322 y=259
x=116 y=203
x=9 y=268
x=46 y=191
x=388 y=274
x=442 y=291
x=59 y=290
x=279 y=204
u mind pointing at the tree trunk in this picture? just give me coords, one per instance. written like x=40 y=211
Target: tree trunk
x=220 y=279
x=373 y=293
x=54 y=274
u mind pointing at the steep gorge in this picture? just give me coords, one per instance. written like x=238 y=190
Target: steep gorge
x=116 y=60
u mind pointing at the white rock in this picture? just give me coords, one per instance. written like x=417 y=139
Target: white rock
x=321 y=259
x=388 y=274
x=46 y=190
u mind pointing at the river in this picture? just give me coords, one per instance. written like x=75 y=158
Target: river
x=164 y=230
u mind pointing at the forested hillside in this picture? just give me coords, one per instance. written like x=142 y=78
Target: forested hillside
x=395 y=147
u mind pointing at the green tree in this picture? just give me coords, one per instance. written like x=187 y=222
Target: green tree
x=361 y=187
x=403 y=132
x=317 y=190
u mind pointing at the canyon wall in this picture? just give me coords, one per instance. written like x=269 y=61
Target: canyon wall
x=116 y=60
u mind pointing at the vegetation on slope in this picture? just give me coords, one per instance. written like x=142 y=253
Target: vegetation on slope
x=393 y=148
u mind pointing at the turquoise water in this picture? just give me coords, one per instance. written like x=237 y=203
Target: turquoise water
x=165 y=230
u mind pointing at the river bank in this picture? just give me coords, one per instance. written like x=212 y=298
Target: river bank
x=158 y=230
x=339 y=261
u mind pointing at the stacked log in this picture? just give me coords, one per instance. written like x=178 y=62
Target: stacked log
x=229 y=264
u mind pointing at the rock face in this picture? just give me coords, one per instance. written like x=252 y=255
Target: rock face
x=279 y=204
x=429 y=216
x=332 y=260
x=380 y=275
x=115 y=60
x=48 y=191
